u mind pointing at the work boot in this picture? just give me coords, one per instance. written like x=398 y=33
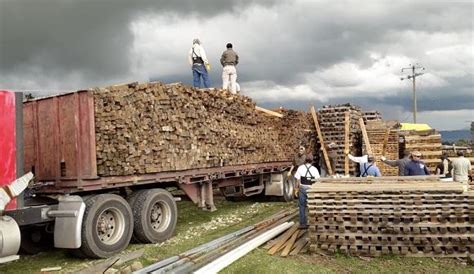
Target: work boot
x=303 y=226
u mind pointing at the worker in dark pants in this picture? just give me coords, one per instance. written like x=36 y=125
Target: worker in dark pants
x=305 y=176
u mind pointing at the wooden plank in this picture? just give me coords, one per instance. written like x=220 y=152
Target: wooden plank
x=282 y=240
x=290 y=244
x=300 y=244
x=269 y=112
x=321 y=141
x=347 y=122
x=365 y=136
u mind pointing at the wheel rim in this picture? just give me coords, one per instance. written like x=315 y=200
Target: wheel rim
x=160 y=216
x=110 y=226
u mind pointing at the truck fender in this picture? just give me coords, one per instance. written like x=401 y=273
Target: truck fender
x=68 y=221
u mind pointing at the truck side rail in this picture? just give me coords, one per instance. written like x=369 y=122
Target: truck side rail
x=191 y=176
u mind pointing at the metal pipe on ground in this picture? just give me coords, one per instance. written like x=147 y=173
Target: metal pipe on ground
x=203 y=247
x=230 y=257
x=196 y=263
x=198 y=259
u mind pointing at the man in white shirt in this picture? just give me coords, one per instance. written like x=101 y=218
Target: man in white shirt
x=306 y=175
x=198 y=60
x=461 y=168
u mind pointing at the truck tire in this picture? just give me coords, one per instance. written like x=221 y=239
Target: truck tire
x=155 y=215
x=288 y=189
x=107 y=226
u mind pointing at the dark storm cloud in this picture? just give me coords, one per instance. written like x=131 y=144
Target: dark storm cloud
x=91 y=38
x=72 y=44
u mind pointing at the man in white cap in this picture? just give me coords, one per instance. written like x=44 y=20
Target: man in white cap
x=198 y=60
x=416 y=167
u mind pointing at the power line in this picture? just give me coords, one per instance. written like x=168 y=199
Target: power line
x=414 y=74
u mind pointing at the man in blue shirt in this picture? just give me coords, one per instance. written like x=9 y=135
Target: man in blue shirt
x=366 y=165
x=416 y=166
x=369 y=169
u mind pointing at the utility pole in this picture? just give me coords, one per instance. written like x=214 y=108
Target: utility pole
x=413 y=76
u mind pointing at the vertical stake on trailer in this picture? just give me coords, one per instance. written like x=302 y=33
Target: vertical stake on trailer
x=346 y=140
x=365 y=136
x=323 y=146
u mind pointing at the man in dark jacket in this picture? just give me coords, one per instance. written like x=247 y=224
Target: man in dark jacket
x=400 y=163
x=416 y=166
x=229 y=60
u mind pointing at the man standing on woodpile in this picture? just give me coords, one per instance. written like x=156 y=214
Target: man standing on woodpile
x=305 y=176
x=332 y=155
x=229 y=60
x=461 y=168
x=198 y=60
x=416 y=166
x=400 y=163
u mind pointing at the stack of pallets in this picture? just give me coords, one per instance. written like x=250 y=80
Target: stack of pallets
x=427 y=142
x=372 y=115
x=384 y=142
x=331 y=120
x=417 y=218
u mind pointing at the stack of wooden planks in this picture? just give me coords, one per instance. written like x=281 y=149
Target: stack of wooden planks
x=291 y=242
x=398 y=215
x=384 y=142
x=296 y=128
x=427 y=142
x=154 y=127
x=331 y=120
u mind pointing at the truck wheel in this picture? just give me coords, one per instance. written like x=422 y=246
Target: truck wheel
x=288 y=189
x=107 y=226
x=155 y=215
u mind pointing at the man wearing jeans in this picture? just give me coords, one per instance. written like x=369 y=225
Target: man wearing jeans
x=197 y=59
x=229 y=60
x=305 y=175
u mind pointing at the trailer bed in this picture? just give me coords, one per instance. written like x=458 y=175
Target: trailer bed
x=187 y=177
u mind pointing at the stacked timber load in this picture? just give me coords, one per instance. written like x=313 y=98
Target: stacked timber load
x=331 y=120
x=428 y=142
x=302 y=130
x=410 y=218
x=372 y=115
x=153 y=127
x=383 y=137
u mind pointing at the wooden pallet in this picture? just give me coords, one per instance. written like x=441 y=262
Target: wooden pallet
x=424 y=218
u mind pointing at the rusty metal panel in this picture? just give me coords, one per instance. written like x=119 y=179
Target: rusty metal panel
x=87 y=133
x=29 y=138
x=48 y=142
x=69 y=118
x=60 y=137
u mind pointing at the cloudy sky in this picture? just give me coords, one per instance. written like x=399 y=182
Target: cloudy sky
x=292 y=53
